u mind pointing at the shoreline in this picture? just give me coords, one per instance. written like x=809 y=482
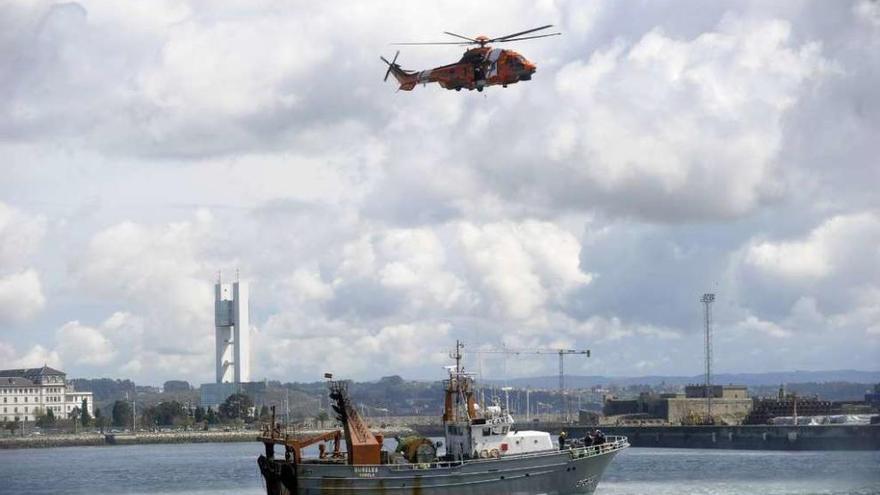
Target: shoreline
x=183 y=437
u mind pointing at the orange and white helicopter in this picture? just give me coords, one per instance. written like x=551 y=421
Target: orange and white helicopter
x=479 y=67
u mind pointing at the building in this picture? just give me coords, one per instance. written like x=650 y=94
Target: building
x=730 y=405
x=232 y=341
x=27 y=393
x=784 y=405
x=717 y=392
x=232 y=332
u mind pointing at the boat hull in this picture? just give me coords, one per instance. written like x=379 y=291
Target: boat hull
x=574 y=471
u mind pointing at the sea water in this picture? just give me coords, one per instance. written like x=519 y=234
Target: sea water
x=231 y=468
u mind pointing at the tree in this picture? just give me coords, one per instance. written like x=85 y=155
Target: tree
x=85 y=418
x=264 y=413
x=121 y=413
x=186 y=421
x=12 y=426
x=101 y=421
x=211 y=417
x=46 y=420
x=236 y=406
x=199 y=414
x=165 y=413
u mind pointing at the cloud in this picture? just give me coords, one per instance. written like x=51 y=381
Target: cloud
x=679 y=129
x=162 y=274
x=842 y=245
x=652 y=158
x=38 y=354
x=522 y=266
x=598 y=328
x=81 y=344
x=120 y=342
x=828 y=276
x=20 y=235
x=867 y=11
x=156 y=266
x=21 y=296
x=764 y=327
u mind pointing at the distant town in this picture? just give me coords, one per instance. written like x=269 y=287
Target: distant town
x=43 y=400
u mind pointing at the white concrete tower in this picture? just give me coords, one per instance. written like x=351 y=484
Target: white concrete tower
x=232 y=332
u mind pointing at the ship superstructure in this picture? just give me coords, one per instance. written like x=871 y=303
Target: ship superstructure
x=485 y=452
x=475 y=433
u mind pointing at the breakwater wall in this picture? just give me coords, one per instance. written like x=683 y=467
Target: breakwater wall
x=751 y=437
x=97 y=439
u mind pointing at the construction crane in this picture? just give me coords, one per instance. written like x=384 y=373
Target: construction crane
x=559 y=352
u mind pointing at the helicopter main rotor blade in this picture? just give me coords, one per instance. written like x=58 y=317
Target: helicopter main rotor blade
x=460 y=36
x=500 y=38
x=528 y=37
x=435 y=43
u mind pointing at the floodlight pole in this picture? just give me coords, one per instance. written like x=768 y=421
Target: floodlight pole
x=707 y=300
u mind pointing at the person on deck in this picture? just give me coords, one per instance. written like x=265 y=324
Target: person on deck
x=562 y=437
x=588 y=439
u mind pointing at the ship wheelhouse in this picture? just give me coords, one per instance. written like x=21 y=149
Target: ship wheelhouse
x=474 y=432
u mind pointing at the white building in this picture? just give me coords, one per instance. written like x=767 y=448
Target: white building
x=27 y=393
x=232 y=332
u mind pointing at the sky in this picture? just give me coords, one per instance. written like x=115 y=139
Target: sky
x=662 y=150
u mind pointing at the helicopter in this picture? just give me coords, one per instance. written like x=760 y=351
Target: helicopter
x=478 y=68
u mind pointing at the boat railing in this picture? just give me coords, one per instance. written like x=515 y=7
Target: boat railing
x=424 y=465
x=612 y=443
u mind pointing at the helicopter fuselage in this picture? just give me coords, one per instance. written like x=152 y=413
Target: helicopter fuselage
x=478 y=68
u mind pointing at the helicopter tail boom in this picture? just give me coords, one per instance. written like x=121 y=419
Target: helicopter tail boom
x=407 y=80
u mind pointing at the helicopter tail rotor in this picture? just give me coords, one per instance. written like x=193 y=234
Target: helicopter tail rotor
x=406 y=79
x=391 y=65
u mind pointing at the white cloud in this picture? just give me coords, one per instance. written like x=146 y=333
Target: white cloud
x=307 y=285
x=20 y=235
x=522 y=266
x=83 y=345
x=36 y=356
x=844 y=244
x=158 y=266
x=647 y=150
x=21 y=296
x=163 y=274
x=601 y=329
x=670 y=128
x=868 y=11
x=753 y=324
x=416 y=263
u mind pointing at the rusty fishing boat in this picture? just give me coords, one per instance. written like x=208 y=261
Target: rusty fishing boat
x=485 y=453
